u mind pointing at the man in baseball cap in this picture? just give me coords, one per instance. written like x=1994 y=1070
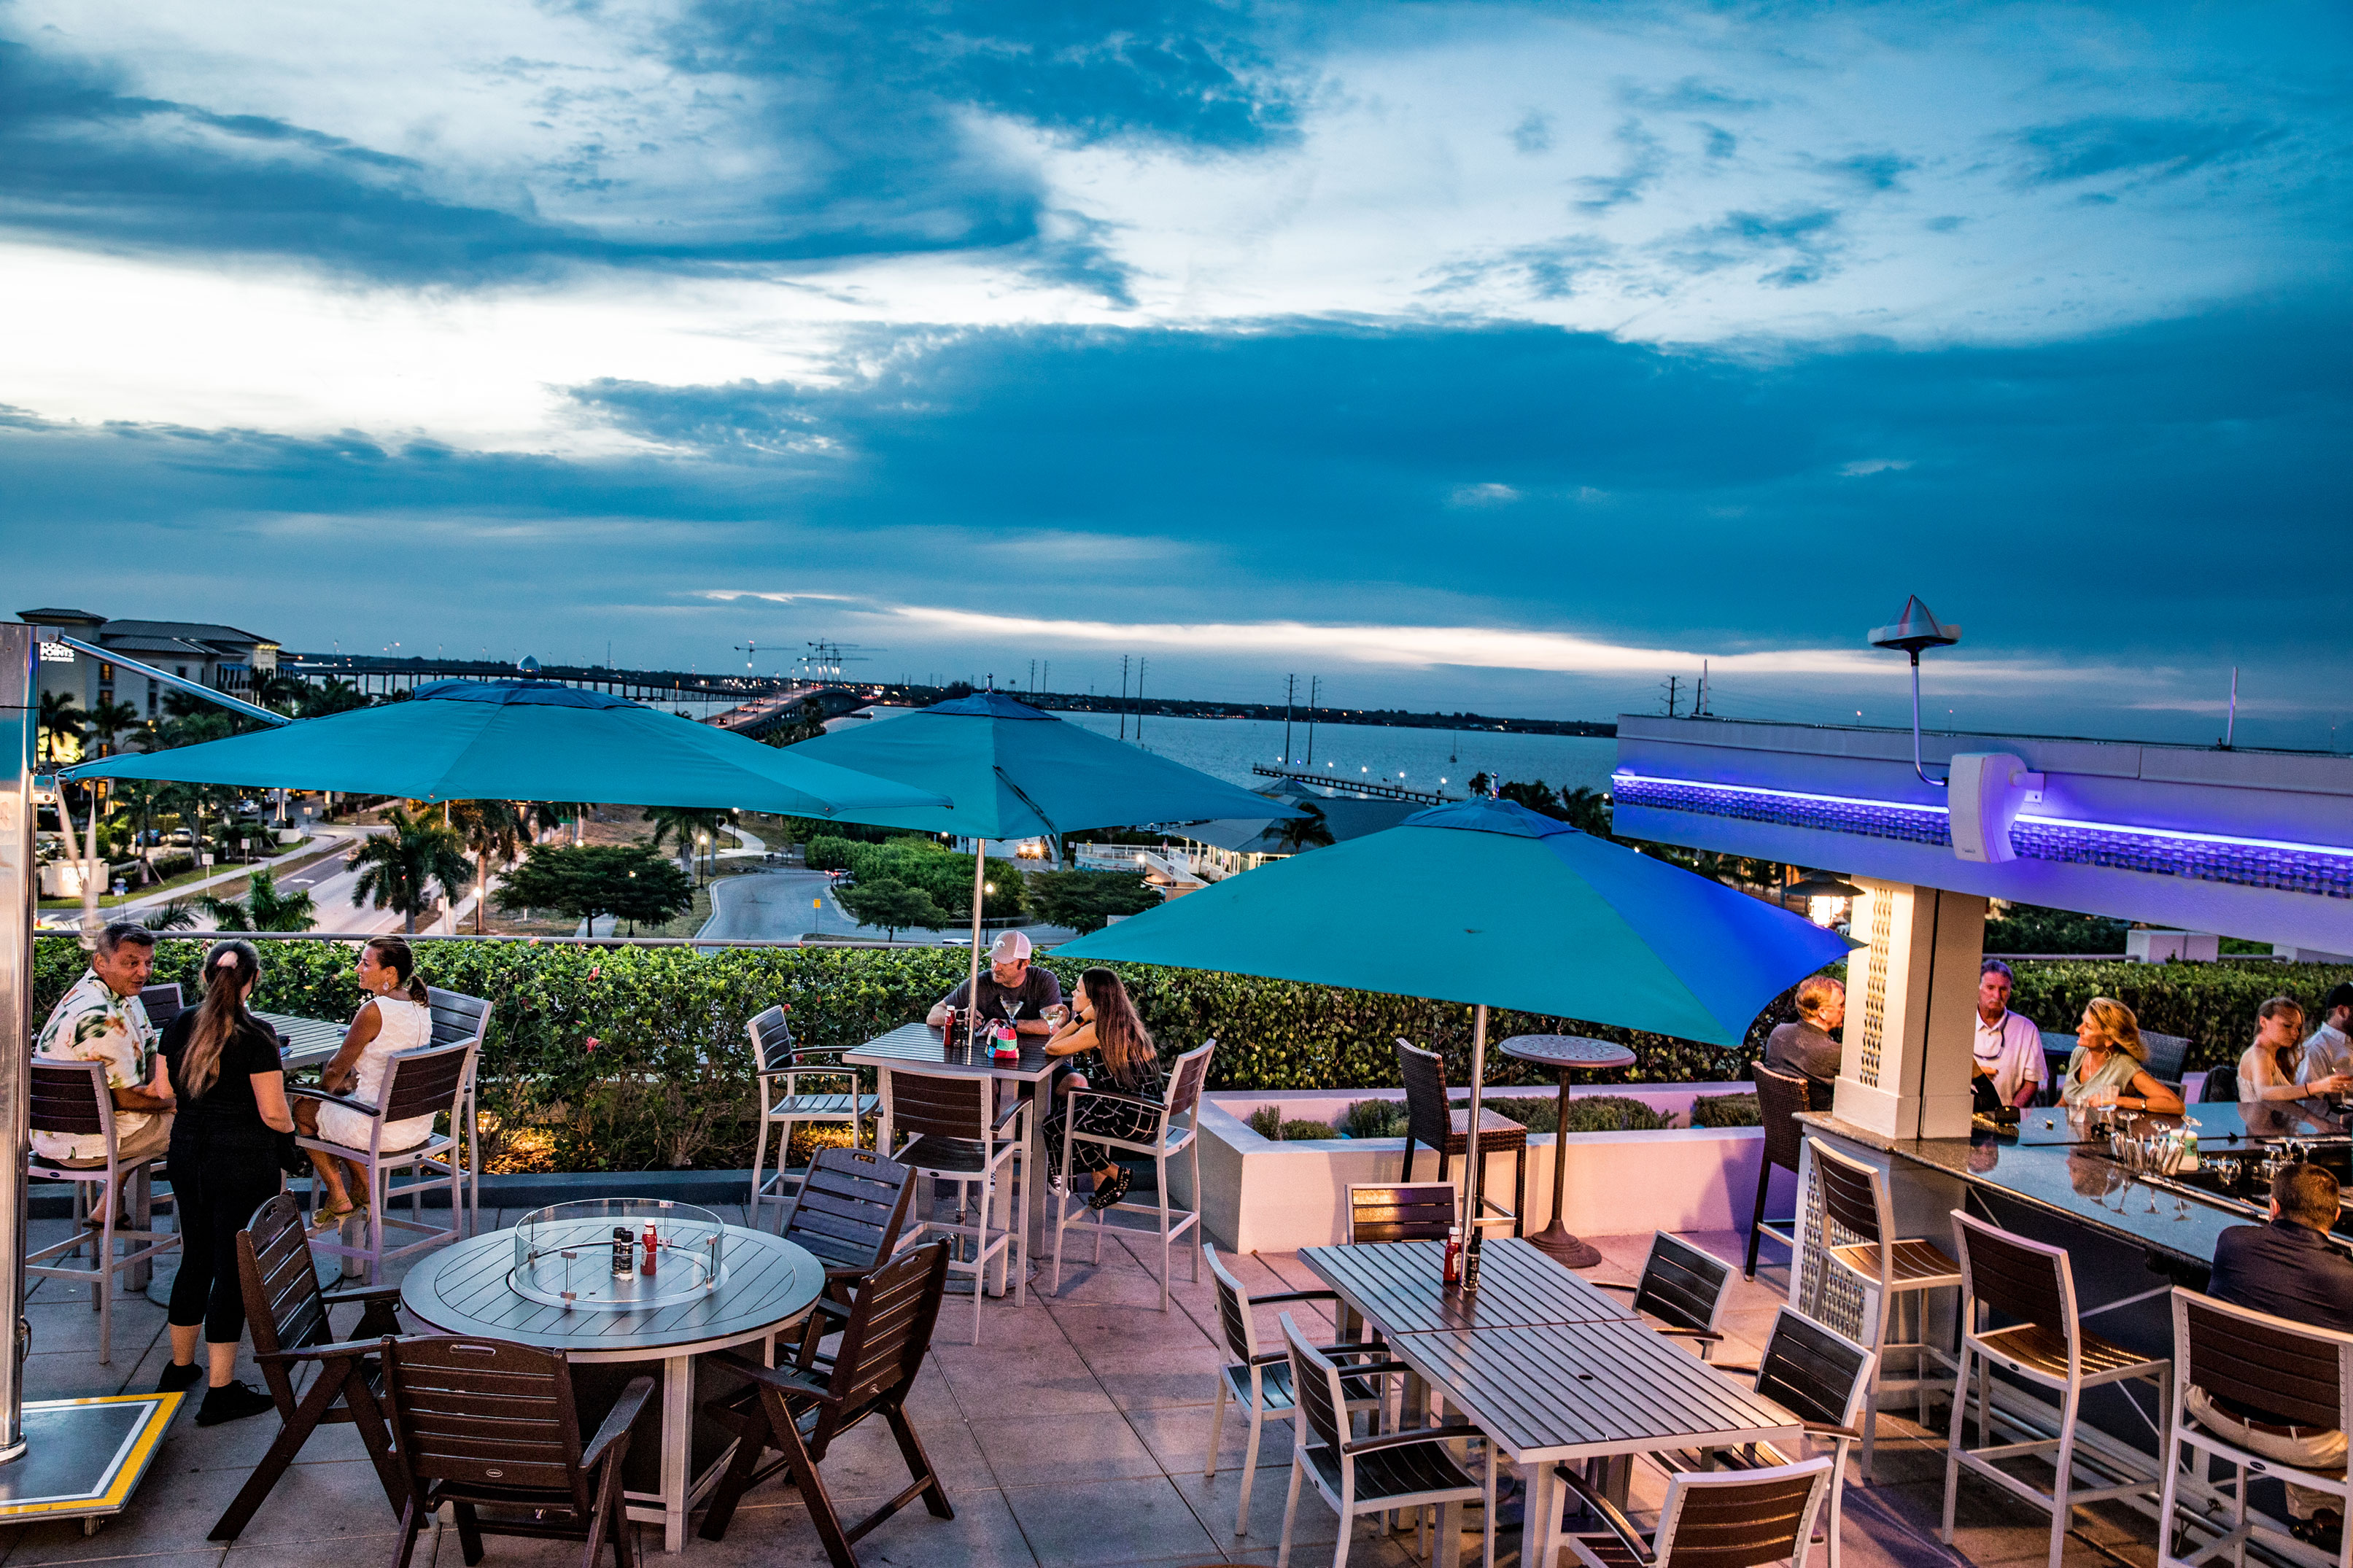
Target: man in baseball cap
x=1010 y=988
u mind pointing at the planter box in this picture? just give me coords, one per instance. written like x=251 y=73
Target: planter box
x=1261 y=1195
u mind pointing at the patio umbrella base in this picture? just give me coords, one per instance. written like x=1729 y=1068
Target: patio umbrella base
x=1564 y=1248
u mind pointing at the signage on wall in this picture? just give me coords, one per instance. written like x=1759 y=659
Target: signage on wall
x=55 y=653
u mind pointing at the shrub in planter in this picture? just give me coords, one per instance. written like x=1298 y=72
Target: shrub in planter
x=1268 y=1122
x=1726 y=1111
x=1374 y=1119
x=1587 y=1113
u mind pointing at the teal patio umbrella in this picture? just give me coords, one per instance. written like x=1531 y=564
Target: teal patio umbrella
x=525 y=739
x=1488 y=903
x=1017 y=771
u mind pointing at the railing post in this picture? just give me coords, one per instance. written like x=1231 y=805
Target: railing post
x=20 y=717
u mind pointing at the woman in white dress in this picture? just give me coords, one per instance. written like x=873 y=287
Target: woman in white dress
x=393 y=1018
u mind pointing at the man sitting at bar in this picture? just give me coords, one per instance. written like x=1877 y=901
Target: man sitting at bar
x=2329 y=1052
x=1009 y=979
x=2009 y=1046
x=101 y=1019
x=2287 y=1270
x=1804 y=1047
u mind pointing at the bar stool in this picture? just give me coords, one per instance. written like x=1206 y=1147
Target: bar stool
x=1855 y=1200
x=1781 y=1096
x=2048 y=1345
x=1432 y=1120
x=955 y=1131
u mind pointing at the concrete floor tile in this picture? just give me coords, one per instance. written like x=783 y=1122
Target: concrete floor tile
x=1179 y=1437
x=1023 y=1382
x=1215 y=1501
x=1091 y=1522
x=983 y=1534
x=1042 y=1451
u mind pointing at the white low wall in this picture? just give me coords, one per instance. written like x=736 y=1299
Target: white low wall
x=1267 y=1197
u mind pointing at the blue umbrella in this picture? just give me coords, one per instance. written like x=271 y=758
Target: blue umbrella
x=525 y=739
x=1017 y=771
x=1486 y=903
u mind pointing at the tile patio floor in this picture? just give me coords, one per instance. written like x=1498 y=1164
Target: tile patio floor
x=1073 y=1435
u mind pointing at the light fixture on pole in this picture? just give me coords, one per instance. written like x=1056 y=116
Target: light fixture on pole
x=1916 y=627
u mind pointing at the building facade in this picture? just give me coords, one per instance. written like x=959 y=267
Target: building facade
x=223 y=658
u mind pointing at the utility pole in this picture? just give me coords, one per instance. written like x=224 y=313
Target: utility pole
x=1315 y=686
x=1290 y=689
x=1140 y=662
x=1673 y=683
x=1123 y=697
x=1699 y=710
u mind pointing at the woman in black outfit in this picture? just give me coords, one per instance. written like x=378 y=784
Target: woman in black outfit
x=224 y=1161
x=1106 y=1039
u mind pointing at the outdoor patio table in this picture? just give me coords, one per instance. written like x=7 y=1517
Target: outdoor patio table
x=925 y=1049
x=769 y=1285
x=1550 y=1394
x=1565 y=1053
x=1396 y=1286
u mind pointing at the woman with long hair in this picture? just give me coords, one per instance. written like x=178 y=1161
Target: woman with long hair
x=1106 y=1039
x=2268 y=1068
x=2110 y=1065
x=394 y=1017
x=224 y=1068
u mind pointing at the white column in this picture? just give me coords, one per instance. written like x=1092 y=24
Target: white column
x=1910 y=997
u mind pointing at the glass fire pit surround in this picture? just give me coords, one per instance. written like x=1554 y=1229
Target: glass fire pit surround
x=618 y=1255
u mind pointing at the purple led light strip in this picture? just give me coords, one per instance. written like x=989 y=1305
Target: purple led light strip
x=2316 y=868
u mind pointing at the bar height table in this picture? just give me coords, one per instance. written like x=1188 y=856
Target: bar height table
x=1565 y=1054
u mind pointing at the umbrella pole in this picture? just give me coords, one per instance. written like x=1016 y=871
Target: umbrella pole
x=1472 y=1184
x=979 y=883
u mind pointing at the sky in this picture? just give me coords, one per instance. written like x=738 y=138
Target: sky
x=1505 y=358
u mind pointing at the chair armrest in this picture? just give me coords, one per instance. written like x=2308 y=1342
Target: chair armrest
x=1009 y=1113
x=362 y=1293
x=783 y=1379
x=1077 y=1095
x=1706 y=1334
x=1824 y=1429
x=297 y=1091
x=1373 y=1368
x=618 y=1420
x=1730 y=1366
x=341 y=1350
x=1608 y=1285
x=1399 y=1439
x=1619 y=1526
x=829 y=1305
x=1295 y=1296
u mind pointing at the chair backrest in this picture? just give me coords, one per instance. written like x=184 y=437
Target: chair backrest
x=1315 y=1383
x=1186 y=1078
x=1738 y=1519
x=772 y=1039
x=457 y=1016
x=2301 y=1375
x=2026 y=1281
x=1853 y=1194
x=1427 y=1116
x=2166 y=1055
x=1813 y=1372
x=2220 y=1087
x=425 y=1081
x=283 y=1303
x=162 y=1002
x=71 y=1096
x=889 y=1331
x=484 y=1413
x=1682 y=1286
x=1400 y=1211
x=936 y=1105
x=1781 y=1098
x=1233 y=1308
x=851 y=1207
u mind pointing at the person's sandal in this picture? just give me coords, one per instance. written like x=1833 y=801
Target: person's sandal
x=1110 y=1189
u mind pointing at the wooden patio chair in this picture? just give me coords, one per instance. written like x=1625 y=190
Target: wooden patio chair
x=1685 y=1289
x=1431 y=1119
x=163 y=1003
x=1781 y=1098
x=800 y=1411
x=1400 y=1211
x=484 y=1424
x=415 y=1083
x=847 y=1215
x=1734 y=1519
x=781 y=1069
x=288 y=1314
x=1175 y=1131
x=71 y=1097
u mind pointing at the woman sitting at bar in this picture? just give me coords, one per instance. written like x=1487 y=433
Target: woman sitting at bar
x=2110 y=1066
x=2267 y=1070
x=1104 y=1035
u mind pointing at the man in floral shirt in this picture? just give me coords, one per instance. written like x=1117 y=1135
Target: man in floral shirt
x=101 y=1019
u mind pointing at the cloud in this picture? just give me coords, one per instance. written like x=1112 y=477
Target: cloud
x=1690 y=93
x=1484 y=495
x=2147 y=147
x=1532 y=134
x=1643 y=163
x=1875 y=171
x=1805 y=240
x=1875 y=466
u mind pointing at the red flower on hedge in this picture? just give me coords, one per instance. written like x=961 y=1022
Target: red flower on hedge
x=592 y=1042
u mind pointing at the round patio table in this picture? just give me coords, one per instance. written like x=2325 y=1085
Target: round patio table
x=770 y=1284
x=1565 y=1054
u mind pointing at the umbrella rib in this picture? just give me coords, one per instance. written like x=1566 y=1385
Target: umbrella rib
x=1040 y=811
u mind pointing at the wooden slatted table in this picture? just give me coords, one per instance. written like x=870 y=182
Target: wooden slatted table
x=1564 y=1392
x=1396 y=1286
x=770 y=1285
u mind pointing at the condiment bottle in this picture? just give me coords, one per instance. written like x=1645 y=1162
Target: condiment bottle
x=623 y=1249
x=646 y=1261
x=1451 y=1274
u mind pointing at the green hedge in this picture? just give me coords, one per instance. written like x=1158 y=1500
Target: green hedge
x=668 y=1082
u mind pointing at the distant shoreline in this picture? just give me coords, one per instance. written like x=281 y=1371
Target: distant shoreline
x=1180 y=708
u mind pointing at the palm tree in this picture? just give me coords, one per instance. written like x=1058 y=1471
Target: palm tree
x=264 y=908
x=173 y=916
x=332 y=696
x=493 y=830
x=281 y=692
x=684 y=822
x=60 y=717
x=109 y=719
x=397 y=869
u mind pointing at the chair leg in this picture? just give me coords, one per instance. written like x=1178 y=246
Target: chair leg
x=1520 y=1190
x=470 y=1532
x=1837 y=1497
x=803 y=1470
x=759 y=1159
x=412 y=1519
x=919 y=1463
x=732 y=1486
x=1757 y=1220
x=1195 y=1150
x=1953 y=1457
x=1160 y=1177
x=1291 y=1503
x=1217 y=1426
x=105 y=1302
x=295 y=1432
x=2062 y=1512
x=1249 y=1467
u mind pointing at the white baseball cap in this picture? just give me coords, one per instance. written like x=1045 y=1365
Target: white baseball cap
x=1010 y=945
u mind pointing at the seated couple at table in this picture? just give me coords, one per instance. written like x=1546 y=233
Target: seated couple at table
x=395 y=1017
x=1010 y=988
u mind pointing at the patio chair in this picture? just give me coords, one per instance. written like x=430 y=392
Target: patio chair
x=1855 y=1201
x=1400 y=1211
x=486 y=1424
x=1411 y=1469
x=163 y=1003
x=1781 y=1096
x=958 y=1134
x=1429 y=1120
x=1685 y=1289
x=71 y=1097
x=1818 y=1375
x=781 y=1070
x=1175 y=1131
x=458 y=1019
x=1736 y=1519
x=800 y=1411
x=421 y=1082
x=1260 y=1379
x=2247 y=1362
x=2045 y=1344
x=848 y=1214
x=288 y=1314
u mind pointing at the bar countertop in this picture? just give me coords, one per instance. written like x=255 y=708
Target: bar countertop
x=2053 y=1166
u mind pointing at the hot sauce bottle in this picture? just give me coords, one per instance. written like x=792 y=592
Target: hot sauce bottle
x=645 y=1250
x=1451 y=1274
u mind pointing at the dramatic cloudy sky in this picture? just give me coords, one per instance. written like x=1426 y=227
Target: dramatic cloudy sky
x=1501 y=356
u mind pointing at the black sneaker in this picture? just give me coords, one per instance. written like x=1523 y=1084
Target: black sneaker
x=232 y=1402
x=177 y=1379
x=1110 y=1189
